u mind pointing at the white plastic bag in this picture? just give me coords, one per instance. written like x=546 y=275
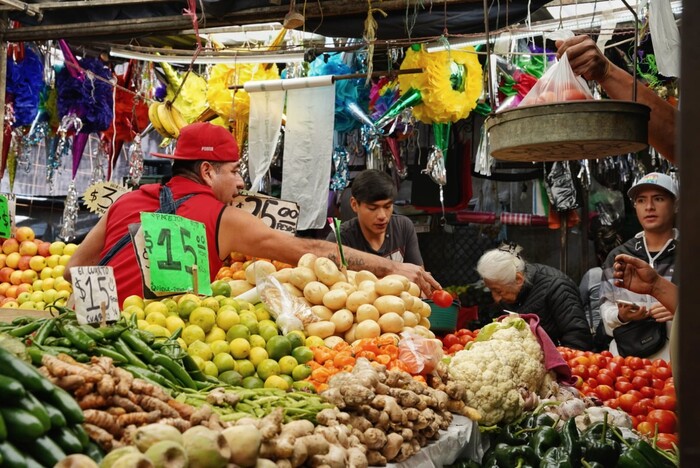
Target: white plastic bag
x=290 y=312
x=558 y=84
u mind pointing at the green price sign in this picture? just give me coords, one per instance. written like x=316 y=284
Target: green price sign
x=174 y=245
x=5 y=221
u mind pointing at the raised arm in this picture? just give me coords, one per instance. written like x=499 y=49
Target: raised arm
x=88 y=252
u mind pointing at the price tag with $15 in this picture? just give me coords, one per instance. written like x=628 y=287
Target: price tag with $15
x=95 y=294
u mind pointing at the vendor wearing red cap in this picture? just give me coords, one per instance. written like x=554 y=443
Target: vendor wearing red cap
x=205 y=179
x=655 y=199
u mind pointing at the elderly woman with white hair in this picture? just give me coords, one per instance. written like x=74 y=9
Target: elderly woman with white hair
x=532 y=288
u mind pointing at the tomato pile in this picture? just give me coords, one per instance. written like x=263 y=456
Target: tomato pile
x=642 y=388
x=457 y=341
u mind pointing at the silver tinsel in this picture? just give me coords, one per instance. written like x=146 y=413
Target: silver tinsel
x=436 y=166
x=70 y=213
x=54 y=157
x=135 y=158
x=98 y=157
x=373 y=148
x=244 y=164
x=339 y=179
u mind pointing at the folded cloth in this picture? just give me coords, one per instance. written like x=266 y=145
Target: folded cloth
x=553 y=360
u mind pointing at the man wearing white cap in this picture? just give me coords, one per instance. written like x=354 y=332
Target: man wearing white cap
x=655 y=200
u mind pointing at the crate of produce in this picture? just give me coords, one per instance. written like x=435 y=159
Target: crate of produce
x=443 y=319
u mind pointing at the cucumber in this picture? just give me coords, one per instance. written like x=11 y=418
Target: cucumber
x=46 y=451
x=11 y=388
x=11 y=456
x=68 y=441
x=30 y=378
x=80 y=433
x=34 y=406
x=57 y=418
x=21 y=424
x=66 y=405
x=95 y=452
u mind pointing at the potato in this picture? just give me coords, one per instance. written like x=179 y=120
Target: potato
x=350 y=334
x=282 y=275
x=332 y=341
x=258 y=269
x=293 y=290
x=409 y=330
x=424 y=331
x=322 y=312
x=301 y=276
x=417 y=306
x=385 y=304
x=351 y=277
x=326 y=271
x=238 y=287
x=343 y=320
x=335 y=299
x=366 y=312
x=356 y=299
x=322 y=329
x=407 y=299
x=426 y=310
x=345 y=286
x=307 y=260
x=314 y=292
x=410 y=319
x=391 y=322
x=388 y=286
x=414 y=290
x=364 y=275
x=367 y=329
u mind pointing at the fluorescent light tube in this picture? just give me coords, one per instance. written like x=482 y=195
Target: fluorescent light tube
x=209 y=59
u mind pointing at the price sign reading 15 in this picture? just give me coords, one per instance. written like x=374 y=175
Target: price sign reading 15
x=94 y=286
x=174 y=244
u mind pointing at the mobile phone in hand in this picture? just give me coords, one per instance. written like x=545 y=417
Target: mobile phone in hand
x=632 y=305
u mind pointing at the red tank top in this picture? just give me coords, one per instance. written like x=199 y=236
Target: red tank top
x=203 y=206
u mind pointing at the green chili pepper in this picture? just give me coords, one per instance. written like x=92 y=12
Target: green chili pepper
x=543 y=439
x=599 y=445
x=26 y=329
x=77 y=337
x=176 y=369
x=138 y=346
x=92 y=332
x=509 y=457
x=148 y=375
x=125 y=351
x=176 y=334
x=111 y=353
x=113 y=331
x=193 y=369
x=44 y=331
x=23 y=320
x=61 y=341
x=652 y=454
x=146 y=336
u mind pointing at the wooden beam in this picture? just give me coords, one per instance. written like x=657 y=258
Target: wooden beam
x=84 y=4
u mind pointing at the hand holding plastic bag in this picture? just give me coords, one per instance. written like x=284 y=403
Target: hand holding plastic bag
x=558 y=84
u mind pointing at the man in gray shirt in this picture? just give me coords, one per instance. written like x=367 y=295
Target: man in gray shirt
x=376 y=229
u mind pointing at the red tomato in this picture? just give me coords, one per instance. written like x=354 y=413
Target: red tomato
x=583 y=360
x=665 y=402
x=605 y=392
x=450 y=339
x=454 y=348
x=665 y=419
x=442 y=298
x=593 y=383
x=640 y=382
x=623 y=386
x=607 y=354
x=615 y=368
x=634 y=362
x=648 y=392
x=605 y=379
x=646 y=362
x=573 y=94
x=641 y=407
x=643 y=373
x=593 y=370
x=636 y=393
x=619 y=360
x=613 y=403
x=464 y=339
x=462 y=331
x=657 y=383
x=666 y=441
x=645 y=427
x=627 y=371
x=659 y=363
x=580 y=370
x=669 y=391
x=627 y=401
x=662 y=373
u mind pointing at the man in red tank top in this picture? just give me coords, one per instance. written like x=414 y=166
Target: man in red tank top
x=205 y=179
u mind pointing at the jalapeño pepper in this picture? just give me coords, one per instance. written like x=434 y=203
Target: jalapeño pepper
x=92 y=332
x=77 y=337
x=545 y=438
x=138 y=345
x=176 y=369
x=508 y=456
x=112 y=332
x=24 y=330
x=125 y=351
x=44 y=331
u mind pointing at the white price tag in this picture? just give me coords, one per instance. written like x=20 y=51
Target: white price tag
x=95 y=294
x=279 y=214
x=101 y=195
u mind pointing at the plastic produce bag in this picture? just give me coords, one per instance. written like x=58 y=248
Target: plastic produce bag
x=558 y=84
x=609 y=204
x=290 y=312
x=420 y=354
x=560 y=187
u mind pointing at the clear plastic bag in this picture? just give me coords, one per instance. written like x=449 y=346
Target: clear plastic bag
x=558 y=84
x=420 y=354
x=290 y=312
x=560 y=187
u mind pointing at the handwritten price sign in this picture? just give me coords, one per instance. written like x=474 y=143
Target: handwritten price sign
x=282 y=215
x=173 y=245
x=5 y=220
x=101 y=195
x=94 y=286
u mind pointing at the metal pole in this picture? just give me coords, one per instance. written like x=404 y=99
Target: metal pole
x=636 y=42
x=492 y=101
x=3 y=74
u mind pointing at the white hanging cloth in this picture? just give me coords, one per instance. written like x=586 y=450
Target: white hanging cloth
x=667 y=39
x=266 y=111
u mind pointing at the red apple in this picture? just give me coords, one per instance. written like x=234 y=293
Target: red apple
x=23 y=263
x=24 y=233
x=28 y=248
x=10 y=245
x=43 y=249
x=16 y=277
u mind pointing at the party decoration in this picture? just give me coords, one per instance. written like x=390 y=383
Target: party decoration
x=25 y=80
x=7 y=137
x=135 y=158
x=70 y=213
x=340 y=177
x=187 y=92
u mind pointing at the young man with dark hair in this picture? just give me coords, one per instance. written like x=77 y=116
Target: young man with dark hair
x=376 y=229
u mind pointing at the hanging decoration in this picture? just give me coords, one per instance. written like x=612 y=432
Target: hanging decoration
x=135 y=161
x=187 y=92
x=340 y=177
x=7 y=137
x=25 y=80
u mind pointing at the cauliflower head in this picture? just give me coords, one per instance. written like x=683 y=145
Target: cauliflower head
x=497 y=371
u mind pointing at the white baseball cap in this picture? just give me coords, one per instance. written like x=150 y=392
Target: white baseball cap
x=654 y=179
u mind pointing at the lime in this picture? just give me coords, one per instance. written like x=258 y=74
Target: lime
x=297 y=338
x=251 y=324
x=219 y=346
x=257 y=355
x=257 y=341
x=262 y=313
x=171 y=304
x=304 y=386
x=231 y=377
x=315 y=341
x=229 y=302
x=157 y=330
x=278 y=347
x=288 y=379
x=301 y=372
x=252 y=382
x=224 y=362
x=240 y=348
x=215 y=334
x=134 y=309
x=155 y=318
x=245 y=367
x=237 y=331
x=287 y=365
x=267 y=332
x=226 y=318
x=243 y=304
x=199 y=361
x=182 y=343
x=142 y=324
x=188 y=297
x=267 y=323
x=201 y=349
x=185 y=308
x=221 y=288
x=210 y=369
x=156 y=306
x=173 y=322
x=303 y=354
x=267 y=368
x=275 y=381
x=192 y=333
x=204 y=317
x=133 y=300
x=210 y=302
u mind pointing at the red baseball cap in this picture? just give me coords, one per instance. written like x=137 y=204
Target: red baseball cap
x=206 y=142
